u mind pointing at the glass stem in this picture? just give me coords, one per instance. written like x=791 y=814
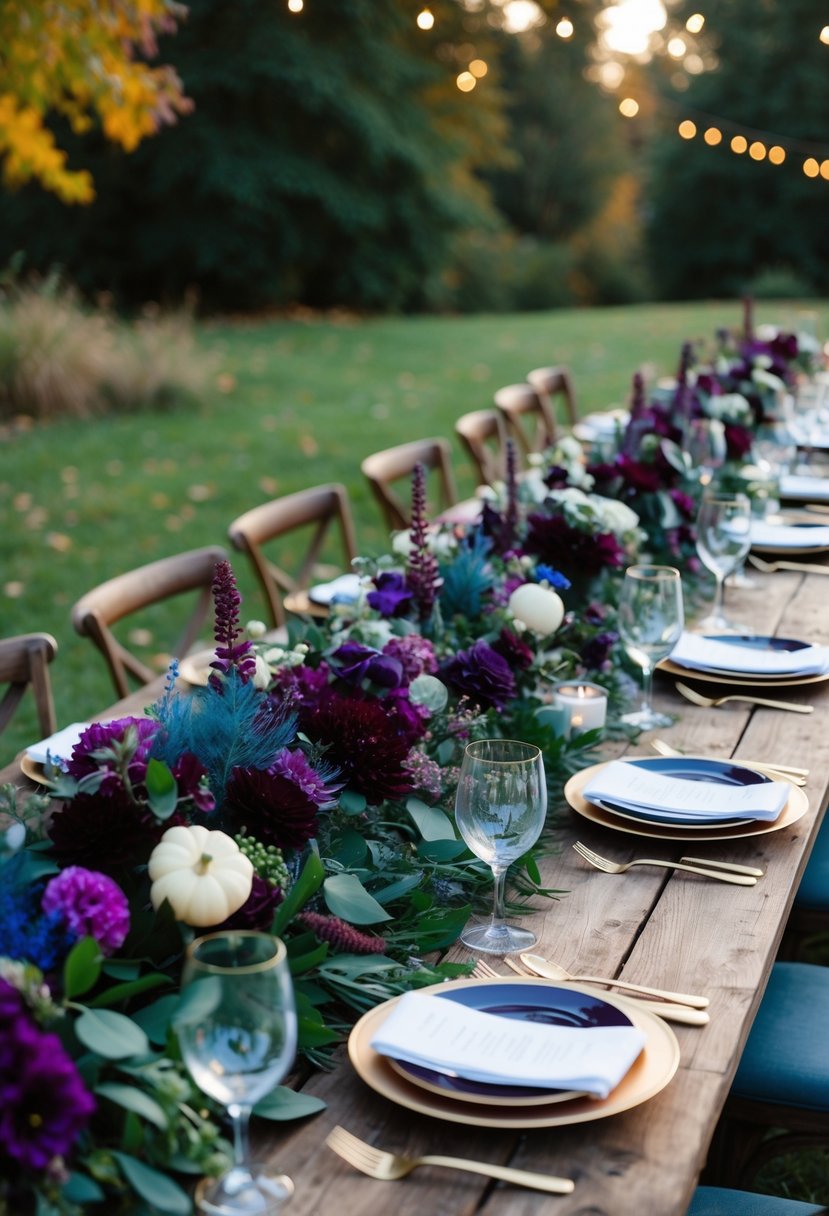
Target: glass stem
x=647 y=686
x=498 y=912
x=240 y=1117
x=719 y=595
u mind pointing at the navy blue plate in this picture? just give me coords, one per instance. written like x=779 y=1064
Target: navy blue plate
x=689 y=768
x=757 y=641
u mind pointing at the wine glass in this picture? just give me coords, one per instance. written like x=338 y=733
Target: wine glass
x=237 y=1030
x=706 y=447
x=723 y=540
x=650 y=620
x=500 y=808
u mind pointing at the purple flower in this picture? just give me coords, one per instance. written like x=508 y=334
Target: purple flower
x=257 y=910
x=113 y=736
x=229 y=652
x=415 y=653
x=91 y=904
x=354 y=662
x=295 y=766
x=482 y=674
x=596 y=652
x=44 y=1105
x=555 y=542
x=392 y=596
x=513 y=648
x=105 y=832
x=737 y=441
x=189 y=772
x=271 y=807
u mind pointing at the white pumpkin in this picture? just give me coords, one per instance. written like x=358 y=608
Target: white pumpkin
x=202 y=873
x=538 y=607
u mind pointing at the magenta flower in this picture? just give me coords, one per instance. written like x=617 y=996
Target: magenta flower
x=415 y=653
x=112 y=736
x=44 y=1105
x=90 y=904
x=295 y=766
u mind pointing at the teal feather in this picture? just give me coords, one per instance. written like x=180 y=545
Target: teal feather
x=466 y=579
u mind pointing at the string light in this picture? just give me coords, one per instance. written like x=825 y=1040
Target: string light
x=810 y=167
x=425 y=19
x=777 y=154
x=757 y=150
x=629 y=107
x=824 y=168
x=566 y=29
x=296 y=6
x=824 y=35
x=687 y=129
x=677 y=48
x=466 y=82
x=695 y=23
x=479 y=68
x=739 y=144
x=713 y=136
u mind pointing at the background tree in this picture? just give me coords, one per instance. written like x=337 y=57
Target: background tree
x=719 y=221
x=87 y=62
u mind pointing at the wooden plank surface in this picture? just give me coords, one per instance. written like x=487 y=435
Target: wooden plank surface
x=650 y=926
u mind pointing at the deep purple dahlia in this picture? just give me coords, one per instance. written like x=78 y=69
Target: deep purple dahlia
x=482 y=674
x=271 y=807
x=392 y=595
x=91 y=904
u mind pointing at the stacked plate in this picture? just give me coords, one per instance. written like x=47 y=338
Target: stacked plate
x=607 y=425
x=800 y=487
x=804 y=536
x=436 y=1089
x=754 y=659
x=684 y=798
x=56 y=750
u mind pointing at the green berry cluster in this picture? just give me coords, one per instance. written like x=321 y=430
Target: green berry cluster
x=267 y=860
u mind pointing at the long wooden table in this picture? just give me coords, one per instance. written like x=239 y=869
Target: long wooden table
x=651 y=926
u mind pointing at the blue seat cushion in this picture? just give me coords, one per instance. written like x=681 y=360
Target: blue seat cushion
x=716 y=1201
x=786 y=1058
x=813 y=892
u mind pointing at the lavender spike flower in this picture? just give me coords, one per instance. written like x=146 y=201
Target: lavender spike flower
x=422 y=573
x=511 y=508
x=229 y=653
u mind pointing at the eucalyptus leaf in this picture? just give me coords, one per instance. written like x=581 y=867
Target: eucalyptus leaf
x=122 y=992
x=162 y=788
x=441 y=850
x=351 y=849
x=158 y=1189
x=111 y=1034
x=431 y=822
x=283 y=1104
x=136 y=1100
x=396 y=890
x=82 y=967
x=156 y=1019
x=80 y=1188
x=347 y=898
x=352 y=803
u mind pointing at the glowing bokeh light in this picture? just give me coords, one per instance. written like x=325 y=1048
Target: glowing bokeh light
x=687 y=129
x=628 y=25
x=695 y=23
x=757 y=150
x=713 y=136
x=520 y=15
x=777 y=154
x=810 y=167
x=824 y=34
x=565 y=28
x=425 y=19
x=479 y=68
x=466 y=82
x=296 y=6
x=824 y=169
x=677 y=47
x=694 y=64
x=739 y=144
x=629 y=107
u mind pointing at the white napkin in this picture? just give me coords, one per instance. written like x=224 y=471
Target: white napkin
x=640 y=789
x=346 y=587
x=699 y=653
x=59 y=745
x=441 y=1034
x=604 y=425
x=788 y=536
x=810 y=489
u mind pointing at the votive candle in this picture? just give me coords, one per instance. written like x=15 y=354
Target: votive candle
x=585 y=705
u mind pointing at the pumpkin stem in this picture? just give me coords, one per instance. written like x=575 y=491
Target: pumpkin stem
x=203 y=864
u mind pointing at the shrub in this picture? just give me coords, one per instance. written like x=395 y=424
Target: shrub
x=58 y=358
x=779 y=283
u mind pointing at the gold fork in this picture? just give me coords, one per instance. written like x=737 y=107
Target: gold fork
x=669 y=1010
x=712 y=702
x=773 y=567
x=620 y=867
x=378 y=1163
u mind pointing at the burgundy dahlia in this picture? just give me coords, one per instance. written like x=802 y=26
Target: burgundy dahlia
x=105 y=833
x=258 y=909
x=271 y=807
x=553 y=541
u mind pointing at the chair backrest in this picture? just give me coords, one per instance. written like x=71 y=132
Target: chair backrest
x=483 y=435
x=393 y=464
x=555 y=386
x=95 y=613
x=316 y=511
x=529 y=419
x=24 y=662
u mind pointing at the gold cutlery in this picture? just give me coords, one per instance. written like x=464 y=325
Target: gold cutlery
x=388 y=1167
x=552 y=971
x=773 y=567
x=797 y=776
x=664 y=1009
x=713 y=702
x=621 y=867
x=731 y=866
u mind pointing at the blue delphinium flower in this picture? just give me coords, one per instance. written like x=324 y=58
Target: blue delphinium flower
x=548 y=574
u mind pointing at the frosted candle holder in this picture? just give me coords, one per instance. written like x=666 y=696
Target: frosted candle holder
x=585 y=705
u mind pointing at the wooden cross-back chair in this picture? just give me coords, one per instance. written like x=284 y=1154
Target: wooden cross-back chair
x=320 y=509
x=24 y=663
x=528 y=417
x=483 y=435
x=96 y=612
x=555 y=387
x=393 y=464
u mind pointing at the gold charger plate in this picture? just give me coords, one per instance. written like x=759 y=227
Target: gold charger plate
x=790 y=550
x=650 y=1073
x=796 y=806
x=33 y=769
x=742 y=681
x=540 y=1099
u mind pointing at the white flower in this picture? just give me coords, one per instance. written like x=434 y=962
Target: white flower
x=767 y=379
x=262 y=674
x=729 y=407
x=256 y=629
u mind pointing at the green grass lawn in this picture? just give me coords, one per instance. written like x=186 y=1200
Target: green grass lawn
x=297 y=402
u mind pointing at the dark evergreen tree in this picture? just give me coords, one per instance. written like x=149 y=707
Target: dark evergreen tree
x=718 y=220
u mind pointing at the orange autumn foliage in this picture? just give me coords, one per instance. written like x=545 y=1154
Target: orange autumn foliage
x=89 y=61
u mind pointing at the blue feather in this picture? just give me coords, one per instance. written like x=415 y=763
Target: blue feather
x=467 y=578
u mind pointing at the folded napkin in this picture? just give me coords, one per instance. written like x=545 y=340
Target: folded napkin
x=442 y=1034
x=58 y=746
x=635 y=788
x=811 y=489
x=788 y=536
x=345 y=588
x=605 y=425
x=700 y=653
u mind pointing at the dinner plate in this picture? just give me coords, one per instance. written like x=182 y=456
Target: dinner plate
x=553 y=1006
x=801 y=488
x=650 y=1073
x=653 y=817
x=749 y=642
x=601 y=425
x=796 y=806
x=741 y=681
x=33 y=769
x=813 y=539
